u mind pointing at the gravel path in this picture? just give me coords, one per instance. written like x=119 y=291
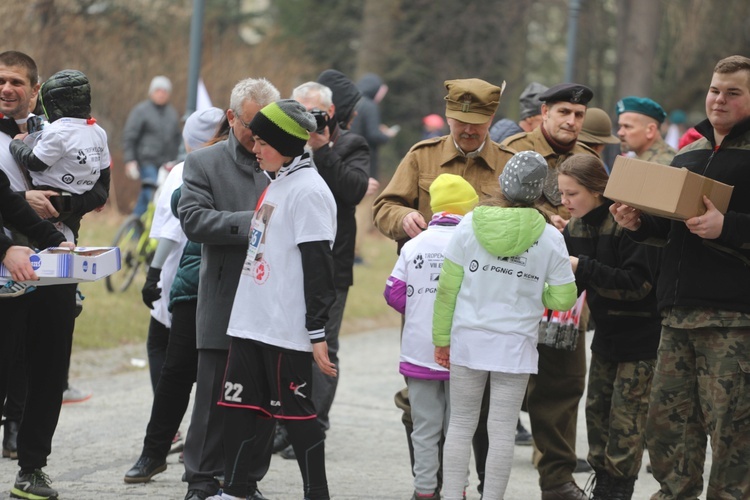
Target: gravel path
x=97 y=441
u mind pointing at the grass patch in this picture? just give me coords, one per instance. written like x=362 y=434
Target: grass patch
x=109 y=319
x=115 y=319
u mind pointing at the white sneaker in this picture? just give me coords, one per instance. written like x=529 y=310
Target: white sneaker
x=73 y=395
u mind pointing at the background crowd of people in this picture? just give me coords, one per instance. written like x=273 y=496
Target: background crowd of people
x=257 y=242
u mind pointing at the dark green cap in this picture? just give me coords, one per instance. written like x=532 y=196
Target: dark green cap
x=641 y=105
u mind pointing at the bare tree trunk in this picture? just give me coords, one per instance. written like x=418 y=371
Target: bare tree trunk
x=637 y=35
x=378 y=29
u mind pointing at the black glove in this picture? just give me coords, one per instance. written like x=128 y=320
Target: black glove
x=150 y=292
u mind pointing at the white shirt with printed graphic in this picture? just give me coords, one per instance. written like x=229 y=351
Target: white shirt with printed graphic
x=419 y=267
x=499 y=305
x=76 y=151
x=269 y=305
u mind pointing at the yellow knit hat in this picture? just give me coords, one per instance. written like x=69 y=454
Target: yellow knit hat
x=451 y=193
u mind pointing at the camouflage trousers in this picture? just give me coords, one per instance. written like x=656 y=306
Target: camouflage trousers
x=616 y=409
x=701 y=388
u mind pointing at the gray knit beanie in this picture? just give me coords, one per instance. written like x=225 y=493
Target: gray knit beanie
x=200 y=127
x=523 y=177
x=160 y=82
x=285 y=125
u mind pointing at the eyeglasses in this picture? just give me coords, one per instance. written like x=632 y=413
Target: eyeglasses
x=246 y=125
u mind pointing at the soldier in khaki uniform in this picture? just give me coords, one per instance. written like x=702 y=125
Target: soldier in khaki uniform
x=554 y=393
x=402 y=209
x=639 y=120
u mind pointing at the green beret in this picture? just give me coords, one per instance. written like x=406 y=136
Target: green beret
x=641 y=105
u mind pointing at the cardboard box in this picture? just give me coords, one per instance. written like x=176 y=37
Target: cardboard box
x=57 y=266
x=675 y=193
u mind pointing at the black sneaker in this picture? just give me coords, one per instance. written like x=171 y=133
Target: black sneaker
x=256 y=495
x=288 y=453
x=523 y=437
x=33 y=486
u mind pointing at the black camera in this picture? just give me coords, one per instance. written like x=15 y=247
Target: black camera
x=321 y=118
x=34 y=124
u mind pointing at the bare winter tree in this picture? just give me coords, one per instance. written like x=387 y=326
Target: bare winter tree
x=638 y=23
x=379 y=24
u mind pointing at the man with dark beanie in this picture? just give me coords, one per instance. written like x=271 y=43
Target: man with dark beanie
x=342 y=159
x=288 y=278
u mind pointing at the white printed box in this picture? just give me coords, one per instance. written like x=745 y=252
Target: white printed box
x=57 y=266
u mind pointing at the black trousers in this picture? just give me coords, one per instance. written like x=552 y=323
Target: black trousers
x=43 y=320
x=156 y=349
x=204 y=445
x=172 y=392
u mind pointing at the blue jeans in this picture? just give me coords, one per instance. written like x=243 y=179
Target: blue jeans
x=149 y=175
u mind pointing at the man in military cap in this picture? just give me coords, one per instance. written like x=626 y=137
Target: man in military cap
x=639 y=120
x=403 y=208
x=530 y=115
x=555 y=391
x=563 y=111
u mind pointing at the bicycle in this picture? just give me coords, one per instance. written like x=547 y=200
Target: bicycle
x=136 y=249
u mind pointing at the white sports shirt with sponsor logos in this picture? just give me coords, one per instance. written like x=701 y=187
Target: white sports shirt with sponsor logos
x=269 y=305
x=419 y=267
x=76 y=151
x=499 y=306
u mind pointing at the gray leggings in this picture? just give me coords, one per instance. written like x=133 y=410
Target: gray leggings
x=506 y=394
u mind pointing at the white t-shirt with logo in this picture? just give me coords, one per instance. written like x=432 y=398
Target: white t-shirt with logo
x=76 y=151
x=499 y=305
x=8 y=164
x=269 y=305
x=419 y=267
x=166 y=225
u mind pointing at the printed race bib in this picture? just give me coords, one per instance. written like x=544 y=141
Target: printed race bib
x=256 y=237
